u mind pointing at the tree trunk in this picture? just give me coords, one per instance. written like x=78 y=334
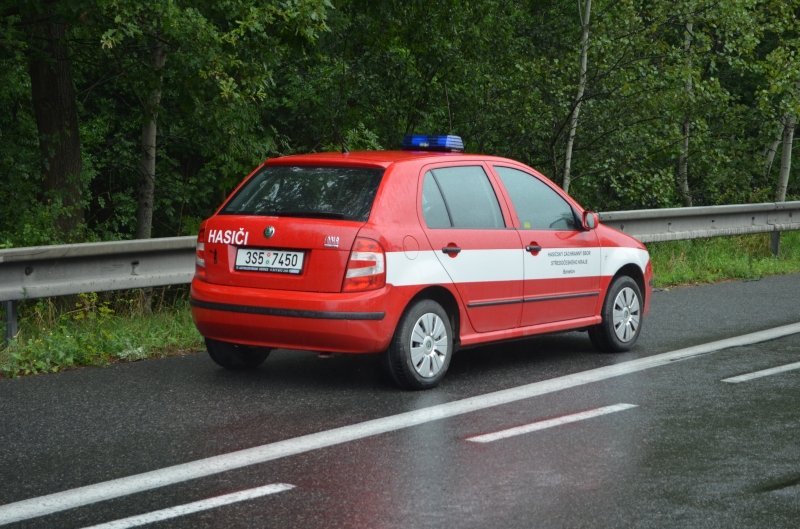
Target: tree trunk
x=576 y=107
x=55 y=108
x=147 y=164
x=790 y=122
x=683 y=159
x=769 y=153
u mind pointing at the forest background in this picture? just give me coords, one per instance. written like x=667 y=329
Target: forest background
x=127 y=119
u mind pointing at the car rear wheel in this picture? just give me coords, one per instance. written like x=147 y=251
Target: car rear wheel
x=622 y=317
x=420 y=352
x=234 y=356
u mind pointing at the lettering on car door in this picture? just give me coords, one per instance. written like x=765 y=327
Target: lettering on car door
x=561 y=263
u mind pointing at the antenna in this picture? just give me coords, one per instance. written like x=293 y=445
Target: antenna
x=449 y=114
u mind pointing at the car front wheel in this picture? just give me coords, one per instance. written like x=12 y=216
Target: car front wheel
x=234 y=356
x=420 y=352
x=622 y=317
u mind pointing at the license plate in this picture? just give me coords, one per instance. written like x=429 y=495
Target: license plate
x=279 y=261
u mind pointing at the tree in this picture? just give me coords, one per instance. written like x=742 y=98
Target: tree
x=683 y=159
x=790 y=122
x=585 y=16
x=147 y=168
x=54 y=105
x=224 y=55
x=779 y=97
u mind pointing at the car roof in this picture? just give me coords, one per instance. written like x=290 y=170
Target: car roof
x=375 y=158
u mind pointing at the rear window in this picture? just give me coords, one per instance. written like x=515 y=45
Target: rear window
x=302 y=191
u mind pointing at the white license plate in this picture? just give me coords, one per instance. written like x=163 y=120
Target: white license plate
x=279 y=261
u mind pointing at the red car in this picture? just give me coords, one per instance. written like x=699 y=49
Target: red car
x=411 y=254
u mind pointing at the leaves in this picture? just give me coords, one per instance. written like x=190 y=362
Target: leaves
x=244 y=80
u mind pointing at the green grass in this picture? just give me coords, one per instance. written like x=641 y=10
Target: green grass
x=92 y=333
x=95 y=330
x=722 y=258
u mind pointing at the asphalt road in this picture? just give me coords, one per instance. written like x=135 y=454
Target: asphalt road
x=682 y=448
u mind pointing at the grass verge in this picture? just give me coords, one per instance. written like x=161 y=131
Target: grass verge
x=722 y=258
x=94 y=330
x=94 y=333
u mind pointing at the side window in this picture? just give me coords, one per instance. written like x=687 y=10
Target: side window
x=538 y=206
x=433 y=207
x=460 y=197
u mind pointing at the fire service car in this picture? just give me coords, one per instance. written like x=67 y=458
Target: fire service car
x=410 y=254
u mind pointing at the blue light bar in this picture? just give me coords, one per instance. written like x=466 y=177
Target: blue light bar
x=425 y=142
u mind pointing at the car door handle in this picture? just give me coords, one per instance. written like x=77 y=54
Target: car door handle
x=451 y=250
x=535 y=248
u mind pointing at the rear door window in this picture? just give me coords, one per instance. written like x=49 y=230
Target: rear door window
x=304 y=191
x=460 y=197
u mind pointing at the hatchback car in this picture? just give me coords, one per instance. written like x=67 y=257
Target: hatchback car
x=411 y=254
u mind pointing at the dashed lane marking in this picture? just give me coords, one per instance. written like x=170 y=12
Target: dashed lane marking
x=197 y=506
x=549 y=423
x=762 y=373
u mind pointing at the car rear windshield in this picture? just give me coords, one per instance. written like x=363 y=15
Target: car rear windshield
x=304 y=191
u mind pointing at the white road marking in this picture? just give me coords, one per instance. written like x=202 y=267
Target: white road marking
x=549 y=423
x=763 y=373
x=189 y=508
x=116 y=488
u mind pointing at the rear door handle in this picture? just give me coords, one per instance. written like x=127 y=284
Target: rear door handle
x=535 y=248
x=451 y=250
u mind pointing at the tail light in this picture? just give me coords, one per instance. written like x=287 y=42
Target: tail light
x=200 y=251
x=366 y=269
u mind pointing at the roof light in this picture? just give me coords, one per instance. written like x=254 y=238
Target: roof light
x=424 y=142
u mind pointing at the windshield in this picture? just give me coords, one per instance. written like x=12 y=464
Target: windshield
x=303 y=191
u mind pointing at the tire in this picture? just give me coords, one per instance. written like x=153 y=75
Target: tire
x=622 y=317
x=420 y=352
x=236 y=357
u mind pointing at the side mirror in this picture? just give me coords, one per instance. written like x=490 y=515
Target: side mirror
x=590 y=220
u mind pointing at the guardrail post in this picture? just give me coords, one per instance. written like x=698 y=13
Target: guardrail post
x=775 y=243
x=11 y=320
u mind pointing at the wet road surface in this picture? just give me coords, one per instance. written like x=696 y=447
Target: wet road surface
x=685 y=448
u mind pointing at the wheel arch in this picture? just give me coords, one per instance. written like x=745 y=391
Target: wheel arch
x=634 y=272
x=447 y=300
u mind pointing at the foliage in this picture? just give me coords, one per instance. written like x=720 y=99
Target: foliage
x=245 y=79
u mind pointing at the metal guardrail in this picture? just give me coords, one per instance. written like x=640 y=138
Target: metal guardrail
x=45 y=271
x=657 y=225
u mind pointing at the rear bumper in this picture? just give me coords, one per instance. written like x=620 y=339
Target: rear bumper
x=361 y=322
